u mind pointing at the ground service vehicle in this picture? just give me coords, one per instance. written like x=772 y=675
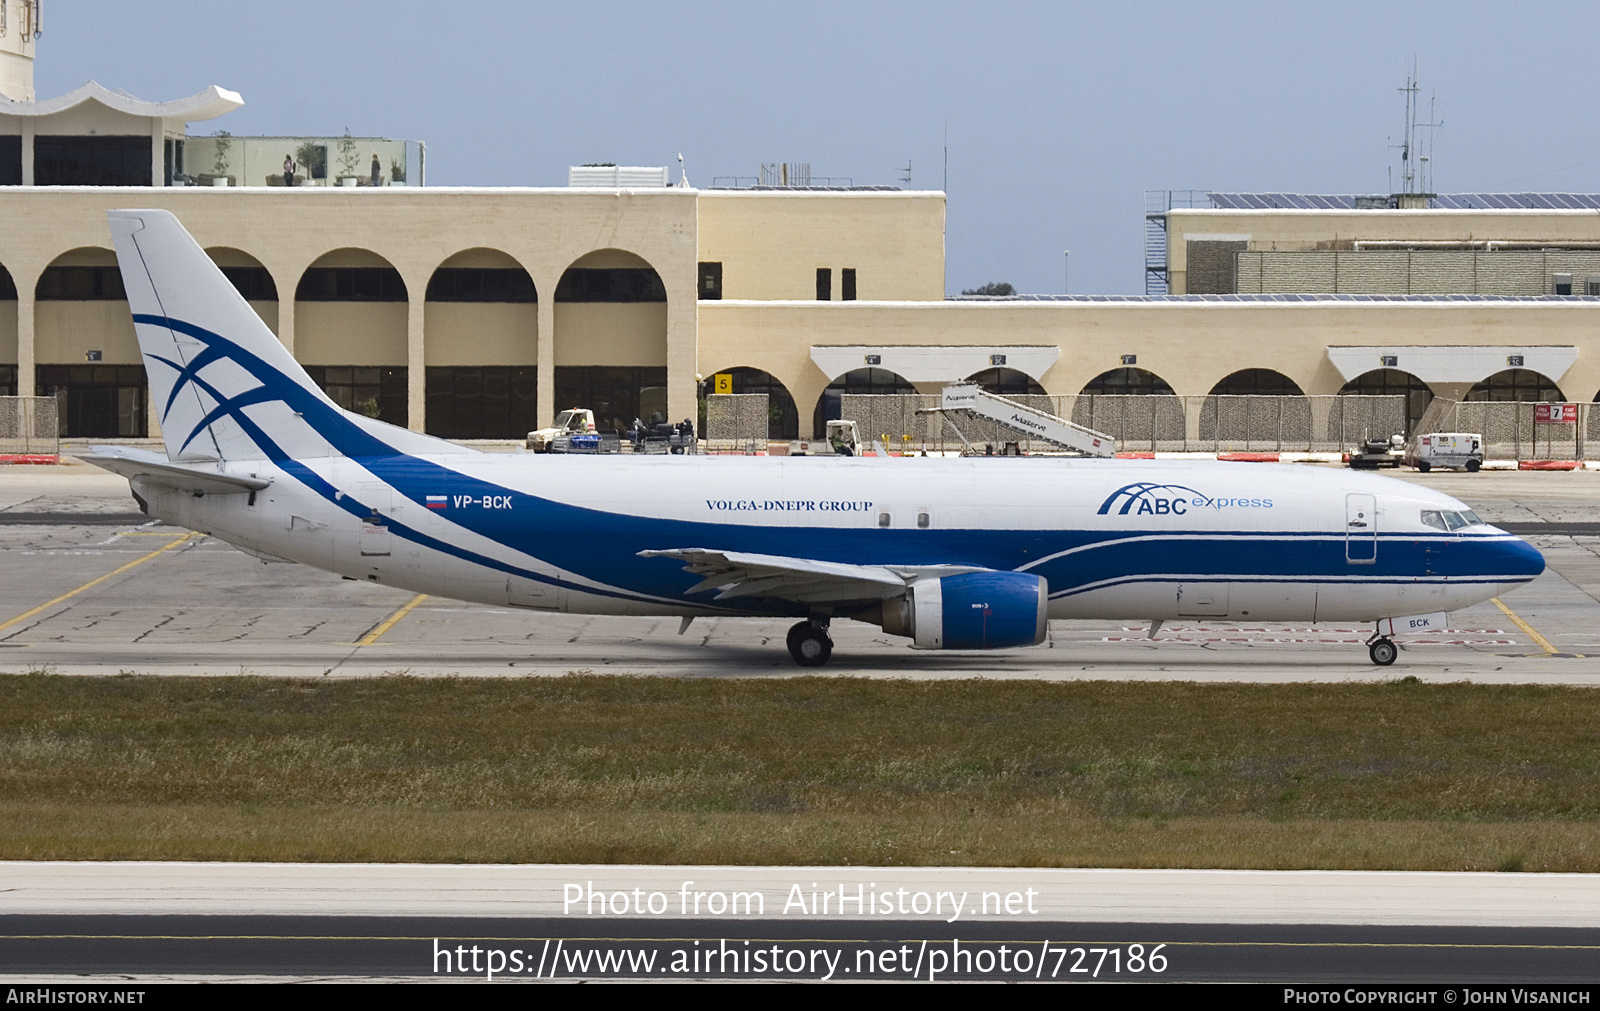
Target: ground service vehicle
x=577 y=421
x=1375 y=453
x=949 y=553
x=1446 y=449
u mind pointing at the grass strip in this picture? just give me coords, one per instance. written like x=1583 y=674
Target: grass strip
x=1398 y=775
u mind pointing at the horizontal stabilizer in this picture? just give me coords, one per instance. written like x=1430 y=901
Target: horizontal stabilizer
x=131 y=463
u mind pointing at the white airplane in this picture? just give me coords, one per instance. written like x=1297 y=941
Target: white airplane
x=950 y=553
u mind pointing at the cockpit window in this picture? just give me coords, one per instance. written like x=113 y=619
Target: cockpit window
x=1454 y=520
x=1432 y=518
x=1472 y=519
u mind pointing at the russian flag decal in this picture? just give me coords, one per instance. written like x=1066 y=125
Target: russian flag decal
x=437 y=501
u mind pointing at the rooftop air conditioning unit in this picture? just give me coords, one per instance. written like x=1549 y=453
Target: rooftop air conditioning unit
x=617 y=177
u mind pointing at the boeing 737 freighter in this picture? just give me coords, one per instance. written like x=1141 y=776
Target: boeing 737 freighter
x=950 y=553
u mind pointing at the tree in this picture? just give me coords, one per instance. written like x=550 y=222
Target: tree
x=224 y=144
x=992 y=288
x=314 y=157
x=349 y=159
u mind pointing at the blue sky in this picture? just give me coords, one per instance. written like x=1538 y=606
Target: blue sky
x=1059 y=115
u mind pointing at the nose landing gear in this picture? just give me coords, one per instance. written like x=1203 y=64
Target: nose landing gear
x=1383 y=651
x=810 y=644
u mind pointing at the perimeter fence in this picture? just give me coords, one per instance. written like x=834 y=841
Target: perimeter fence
x=29 y=426
x=1520 y=431
x=1154 y=423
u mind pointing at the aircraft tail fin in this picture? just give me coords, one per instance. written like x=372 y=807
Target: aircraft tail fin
x=224 y=386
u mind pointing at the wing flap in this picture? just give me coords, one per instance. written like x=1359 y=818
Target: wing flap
x=806 y=580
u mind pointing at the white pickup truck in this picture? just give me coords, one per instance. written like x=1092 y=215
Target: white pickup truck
x=578 y=421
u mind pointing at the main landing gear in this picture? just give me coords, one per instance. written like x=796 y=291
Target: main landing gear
x=810 y=644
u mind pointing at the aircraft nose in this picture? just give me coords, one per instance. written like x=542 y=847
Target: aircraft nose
x=1514 y=558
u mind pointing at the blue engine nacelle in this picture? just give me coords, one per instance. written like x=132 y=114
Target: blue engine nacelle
x=977 y=610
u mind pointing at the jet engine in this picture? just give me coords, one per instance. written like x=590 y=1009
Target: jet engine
x=973 y=610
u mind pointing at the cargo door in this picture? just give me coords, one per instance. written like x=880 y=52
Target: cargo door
x=1360 y=528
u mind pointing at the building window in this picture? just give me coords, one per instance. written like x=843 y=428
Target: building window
x=1007 y=382
x=101 y=401
x=482 y=402
x=847 y=284
x=711 y=281
x=1522 y=385
x=351 y=284
x=254 y=283
x=824 y=284
x=11 y=160
x=1593 y=286
x=481 y=284
x=619 y=284
x=8 y=287
x=91 y=161
x=172 y=160
x=372 y=391
x=1562 y=283
x=1256 y=383
x=8 y=380
x=79 y=284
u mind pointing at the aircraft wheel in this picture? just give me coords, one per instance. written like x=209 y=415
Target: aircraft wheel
x=1424 y=466
x=1472 y=466
x=809 y=645
x=1383 y=652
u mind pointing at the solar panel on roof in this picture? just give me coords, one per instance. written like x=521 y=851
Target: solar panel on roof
x=1449 y=201
x=1279 y=297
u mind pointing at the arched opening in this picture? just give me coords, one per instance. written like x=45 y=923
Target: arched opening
x=85 y=348
x=1127 y=382
x=1385 y=383
x=865 y=381
x=250 y=279
x=1007 y=383
x=482 y=336
x=783 y=417
x=1256 y=383
x=1105 y=404
x=611 y=339
x=350 y=332
x=8 y=334
x=1256 y=407
x=1519 y=385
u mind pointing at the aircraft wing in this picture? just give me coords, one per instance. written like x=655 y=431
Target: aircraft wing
x=741 y=574
x=131 y=462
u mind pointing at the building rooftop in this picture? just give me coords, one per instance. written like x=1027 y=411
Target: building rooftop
x=208 y=104
x=1441 y=201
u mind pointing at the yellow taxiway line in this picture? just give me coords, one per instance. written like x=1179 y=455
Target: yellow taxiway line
x=91 y=584
x=1542 y=642
x=387 y=623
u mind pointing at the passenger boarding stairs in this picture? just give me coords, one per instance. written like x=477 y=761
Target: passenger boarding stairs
x=972 y=400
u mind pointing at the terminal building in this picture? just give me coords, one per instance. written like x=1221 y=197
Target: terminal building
x=478 y=313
